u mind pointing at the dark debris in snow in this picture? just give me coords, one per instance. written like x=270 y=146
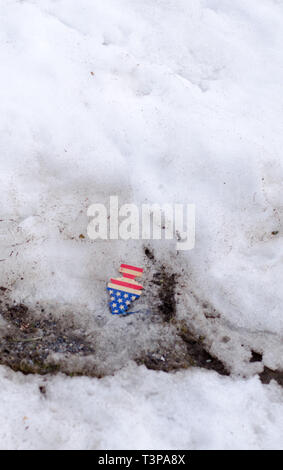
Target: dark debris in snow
x=30 y=341
x=41 y=343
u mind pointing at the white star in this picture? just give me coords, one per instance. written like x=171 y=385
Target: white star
x=111 y=291
x=133 y=297
x=114 y=305
x=122 y=307
x=126 y=295
x=118 y=293
x=120 y=300
x=116 y=311
x=112 y=298
x=128 y=302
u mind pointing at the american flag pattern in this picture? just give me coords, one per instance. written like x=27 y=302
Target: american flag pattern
x=124 y=290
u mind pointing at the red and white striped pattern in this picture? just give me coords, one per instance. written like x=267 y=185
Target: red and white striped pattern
x=130 y=271
x=127 y=283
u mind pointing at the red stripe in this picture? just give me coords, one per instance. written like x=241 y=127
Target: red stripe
x=130 y=276
x=127 y=266
x=126 y=284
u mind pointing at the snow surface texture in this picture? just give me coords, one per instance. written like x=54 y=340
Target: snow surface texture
x=153 y=101
x=135 y=410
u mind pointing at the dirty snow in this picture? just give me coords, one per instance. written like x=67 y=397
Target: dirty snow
x=153 y=101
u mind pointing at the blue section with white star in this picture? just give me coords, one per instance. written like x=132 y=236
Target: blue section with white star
x=120 y=300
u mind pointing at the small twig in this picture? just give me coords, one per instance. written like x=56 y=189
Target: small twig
x=25 y=340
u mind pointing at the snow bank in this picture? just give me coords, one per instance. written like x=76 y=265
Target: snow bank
x=154 y=102
x=139 y=409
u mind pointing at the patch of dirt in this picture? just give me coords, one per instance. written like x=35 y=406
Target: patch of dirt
x=149 y=253
x=42 y=389
x=164 y=285
x=256 y=357
x=30 y=342
x=164 y=361
x=199 y=355
x=167 y=283
x=194 y=355
x=267 y=375
x=37 y=342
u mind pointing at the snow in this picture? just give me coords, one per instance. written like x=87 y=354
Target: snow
x=153 y=101
x=135 y=410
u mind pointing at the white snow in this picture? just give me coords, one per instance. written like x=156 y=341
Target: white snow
x=140 y=409
x=153 y=101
